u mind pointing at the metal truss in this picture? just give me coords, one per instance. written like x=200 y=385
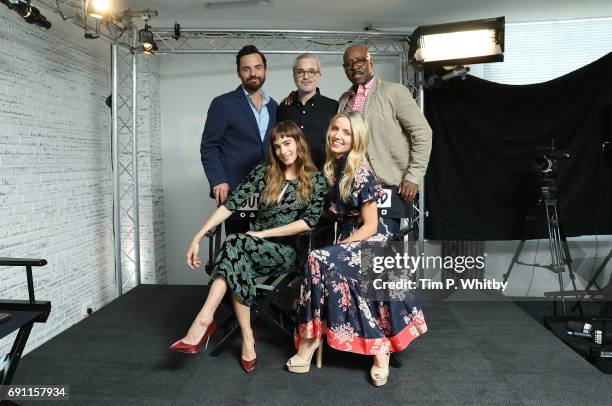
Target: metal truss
x=229 y=41
x=274 y=41
x=127 y=243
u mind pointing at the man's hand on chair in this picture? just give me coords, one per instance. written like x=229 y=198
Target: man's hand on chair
x=220 y=193
x=407 y=190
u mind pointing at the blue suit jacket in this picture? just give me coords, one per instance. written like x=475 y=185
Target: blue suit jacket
x=231 y=145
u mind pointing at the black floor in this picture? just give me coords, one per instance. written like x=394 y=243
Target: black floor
x=474 y=353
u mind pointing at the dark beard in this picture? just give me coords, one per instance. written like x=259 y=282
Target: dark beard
x=252 y=86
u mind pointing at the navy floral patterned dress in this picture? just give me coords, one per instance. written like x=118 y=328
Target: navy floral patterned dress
x=332 y=299
x=242 y=257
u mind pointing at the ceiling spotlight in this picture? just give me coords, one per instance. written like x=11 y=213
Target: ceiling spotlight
x=152 y=50
x=25 y=10
x=28 y=12
x=99 y=8
x=145 y=39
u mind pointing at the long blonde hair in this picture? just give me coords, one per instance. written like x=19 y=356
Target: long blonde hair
x=355 y=157
x=275 y=168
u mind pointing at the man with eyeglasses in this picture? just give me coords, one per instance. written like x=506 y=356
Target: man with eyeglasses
x=400 y=137
x=309 y=109
x=312 y=111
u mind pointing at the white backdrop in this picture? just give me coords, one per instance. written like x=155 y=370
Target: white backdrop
x=188 y=85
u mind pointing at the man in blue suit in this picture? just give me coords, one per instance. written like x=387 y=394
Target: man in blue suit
x=237 y=130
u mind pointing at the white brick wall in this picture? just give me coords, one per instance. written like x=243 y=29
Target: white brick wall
x=152 y=230
x=55 y=172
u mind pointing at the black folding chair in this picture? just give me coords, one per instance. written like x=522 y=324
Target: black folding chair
x=268 y=304
x=391 y=206
x=20 y=315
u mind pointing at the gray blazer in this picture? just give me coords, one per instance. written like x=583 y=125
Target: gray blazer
x=400 y=138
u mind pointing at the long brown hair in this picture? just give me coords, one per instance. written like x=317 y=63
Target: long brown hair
x=275 y=168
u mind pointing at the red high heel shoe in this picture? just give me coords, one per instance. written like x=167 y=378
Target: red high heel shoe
x=249 y=366
x=183 y=347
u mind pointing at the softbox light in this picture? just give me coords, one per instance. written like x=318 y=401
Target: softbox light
x=461 y=43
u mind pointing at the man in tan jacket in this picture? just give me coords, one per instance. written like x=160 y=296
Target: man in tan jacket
x=400 y=138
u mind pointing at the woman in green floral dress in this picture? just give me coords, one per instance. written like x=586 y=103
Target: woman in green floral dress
x=291 y=199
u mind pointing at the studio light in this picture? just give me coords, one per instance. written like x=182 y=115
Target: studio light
x=28 y=12
x=23 y=9
x=462 y=43
x=99 y=8
x=33 y=16
x=145 y=39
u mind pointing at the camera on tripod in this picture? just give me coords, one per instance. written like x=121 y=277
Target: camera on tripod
x=546 y=164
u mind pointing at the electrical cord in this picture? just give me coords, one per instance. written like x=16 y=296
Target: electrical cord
x=598 y=210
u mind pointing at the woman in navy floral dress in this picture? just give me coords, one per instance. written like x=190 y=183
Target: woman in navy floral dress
x=332 y=301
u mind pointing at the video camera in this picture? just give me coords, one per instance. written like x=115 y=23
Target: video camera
x=546 y=165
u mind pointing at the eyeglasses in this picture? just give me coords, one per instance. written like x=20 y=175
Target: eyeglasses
x=303 y=73
x=357 y=63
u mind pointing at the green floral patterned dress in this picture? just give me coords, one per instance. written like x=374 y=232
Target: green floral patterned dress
x=243 y=257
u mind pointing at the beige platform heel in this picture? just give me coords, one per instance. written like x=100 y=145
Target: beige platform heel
x=299 y=365
x=380 y=375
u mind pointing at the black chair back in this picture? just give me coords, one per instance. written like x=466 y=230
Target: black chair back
x=391 y=205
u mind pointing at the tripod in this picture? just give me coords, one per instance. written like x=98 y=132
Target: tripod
x=559 y=250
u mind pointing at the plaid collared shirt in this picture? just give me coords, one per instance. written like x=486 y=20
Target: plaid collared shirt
x=357 y=99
